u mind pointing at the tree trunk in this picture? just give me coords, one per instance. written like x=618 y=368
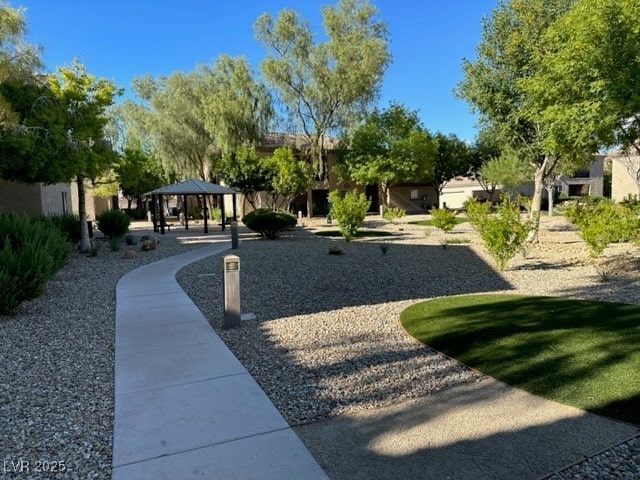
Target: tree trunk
x=550 y=200
x=85 y=243
x=536 y=201
x=309 y=203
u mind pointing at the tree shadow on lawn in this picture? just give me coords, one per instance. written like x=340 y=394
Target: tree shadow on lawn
x=585 y=354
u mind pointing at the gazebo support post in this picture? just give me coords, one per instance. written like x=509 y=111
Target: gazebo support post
x=162 y=219
x=222 y=218
x=154 y=219
x=235 y=213
x=206 y=213
x=185 y=212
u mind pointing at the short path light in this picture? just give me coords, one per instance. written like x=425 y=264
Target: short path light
x=231 y=285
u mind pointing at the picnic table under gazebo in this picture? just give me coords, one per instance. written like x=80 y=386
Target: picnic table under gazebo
x=186 y=188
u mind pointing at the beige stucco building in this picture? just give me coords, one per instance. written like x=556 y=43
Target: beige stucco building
x=625 y=174
x=40 y=199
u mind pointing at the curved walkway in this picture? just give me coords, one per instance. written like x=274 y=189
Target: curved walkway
x=184 y=405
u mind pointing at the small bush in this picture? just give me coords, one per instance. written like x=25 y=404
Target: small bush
x=350 y=211
x=603 y=222
x=215 y=213
x=269 y=223
x=443 y=219
x=94 y=248
x=67 y=224
x=30 y=253
x=503 y=233
x=113 y=223
x=114 y=244
x=130 y=239
x=393 y=214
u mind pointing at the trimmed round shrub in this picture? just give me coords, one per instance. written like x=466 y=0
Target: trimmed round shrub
x=269 y=223
x=113 y=223
x=30 y=253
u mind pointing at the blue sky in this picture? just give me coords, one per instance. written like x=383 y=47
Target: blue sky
x=121 y=39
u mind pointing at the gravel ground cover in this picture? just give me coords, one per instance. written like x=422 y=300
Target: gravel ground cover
x=56 y=369
x=326 y=339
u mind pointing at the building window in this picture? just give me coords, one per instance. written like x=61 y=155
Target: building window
x=414 y=194
x=582 y=173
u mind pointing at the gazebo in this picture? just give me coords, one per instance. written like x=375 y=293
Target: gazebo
x=184 y=189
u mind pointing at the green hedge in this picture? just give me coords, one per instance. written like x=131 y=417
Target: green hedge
x=113 y=223
x=269 y=223
x=31 y=251
x=69 y=225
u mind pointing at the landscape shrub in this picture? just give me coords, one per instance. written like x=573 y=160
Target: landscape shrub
x=443 y=219
x=393 y=214
x=269 y=223
x=633 y=202
x=603 y=222
x=349 y=211
x=113 y=223
x=503 y=234
x=215 y=213
x=30 y=253
x=68 y=224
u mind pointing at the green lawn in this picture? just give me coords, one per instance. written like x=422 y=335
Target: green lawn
x=359 y=233
x=580 y=353
x=429 y=223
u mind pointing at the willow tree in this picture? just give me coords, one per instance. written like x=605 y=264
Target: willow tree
x=325 y=85
x=192 y=119
x=493 y=84
x=237 y=109
x=171 y=117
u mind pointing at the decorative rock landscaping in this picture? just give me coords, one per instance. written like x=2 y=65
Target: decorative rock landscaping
x=326 y=337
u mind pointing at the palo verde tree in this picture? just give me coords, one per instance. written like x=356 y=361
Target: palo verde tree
x=507 y=170
x=84 y=99
x=324 y=86
x=390 y=147
x=493 y=83
x=585 y=87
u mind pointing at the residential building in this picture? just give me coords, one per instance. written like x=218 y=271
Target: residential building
x=587 y=181
x=40 y=199
x=625 y=174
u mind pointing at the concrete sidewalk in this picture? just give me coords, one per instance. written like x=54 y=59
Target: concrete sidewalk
x=184 y=405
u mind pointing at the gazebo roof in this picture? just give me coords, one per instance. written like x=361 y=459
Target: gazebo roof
x=193 y=187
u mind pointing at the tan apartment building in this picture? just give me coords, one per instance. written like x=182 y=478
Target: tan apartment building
x=625 y=174
x=40 y=199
